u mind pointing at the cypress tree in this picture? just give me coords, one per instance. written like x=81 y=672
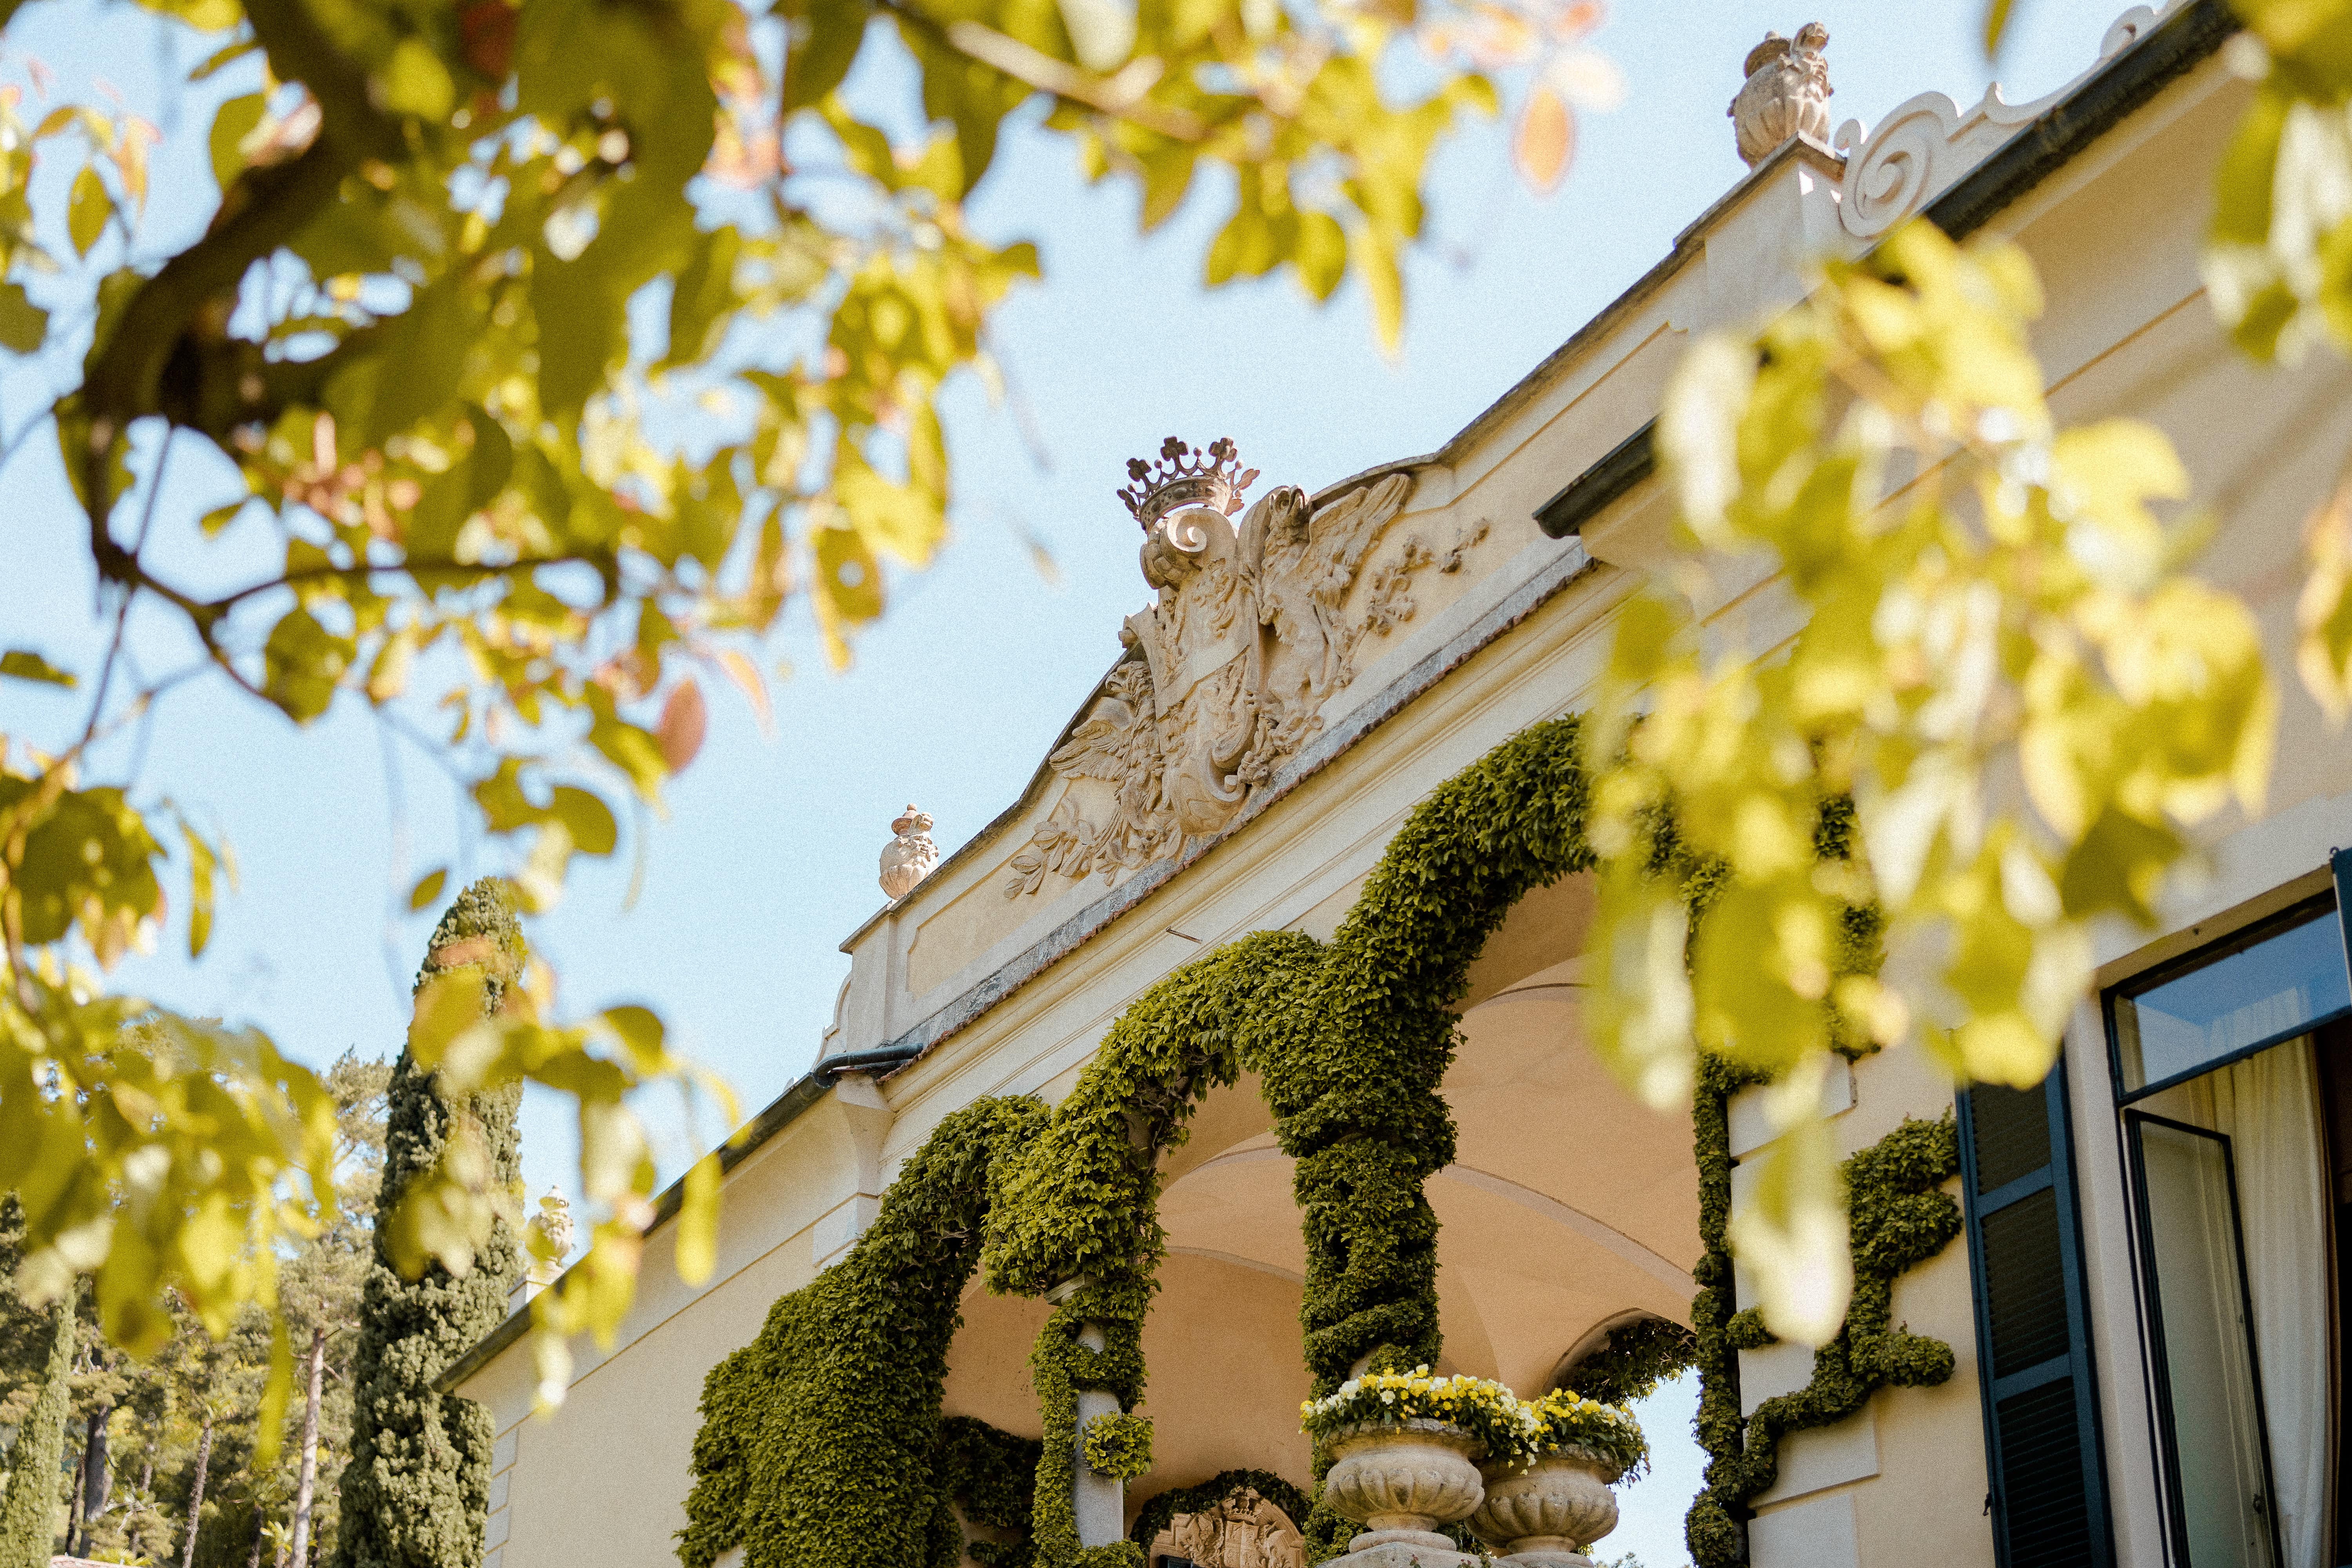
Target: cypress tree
x=415 y=1490
x=29 y=1515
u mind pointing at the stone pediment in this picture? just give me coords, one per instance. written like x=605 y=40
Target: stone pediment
x=1258 y=622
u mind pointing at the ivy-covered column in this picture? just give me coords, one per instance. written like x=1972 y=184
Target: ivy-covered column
x=1098 y=1501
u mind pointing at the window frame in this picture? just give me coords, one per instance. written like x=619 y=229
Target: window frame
x=2246 y=936
x=2151 y=1306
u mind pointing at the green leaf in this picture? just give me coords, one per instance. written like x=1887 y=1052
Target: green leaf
x=904 y=519
x=428 y=888
x=24 y=326
x=1102 y=32
x=636 y=752
x=204 y=15
x=639 y=1030
x=22 y=663
x=588 y=819
x=582 y=328
x=202 y=864
x=424 y=353
x=821 y=40
x=1167 y=175
x=220 y=58
x=704 y=296
x=697 y=1246
x=415 y=82
x=1996 y=25
x=303 y=662
x=1376 y=263
x=87 y=209
x=234 y=122
x=1322 y=255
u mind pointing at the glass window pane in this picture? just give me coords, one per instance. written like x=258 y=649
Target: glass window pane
x=2201 y=1323
x=2273 y=984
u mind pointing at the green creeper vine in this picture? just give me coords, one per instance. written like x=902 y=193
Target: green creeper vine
x=1119 y=1445
x=990 y=1475
x=821 y=1440
x=1078 y=1206
x=1898 y=1218
x=1157 y=1514
x=1633 y=1361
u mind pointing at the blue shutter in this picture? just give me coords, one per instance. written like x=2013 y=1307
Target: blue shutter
x=2049 y=1501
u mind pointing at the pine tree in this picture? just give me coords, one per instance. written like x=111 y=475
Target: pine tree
x=415 y=1490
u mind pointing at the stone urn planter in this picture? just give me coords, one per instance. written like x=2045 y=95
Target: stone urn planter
x=1537 y=1517
x=1400 y=1480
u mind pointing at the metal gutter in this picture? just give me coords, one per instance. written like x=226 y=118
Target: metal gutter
x=2047 y=143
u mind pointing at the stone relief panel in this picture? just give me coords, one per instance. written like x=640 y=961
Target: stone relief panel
x=1244 y=1530
x=1255 y=626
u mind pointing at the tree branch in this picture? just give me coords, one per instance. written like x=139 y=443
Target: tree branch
x=1119 y=95
x=192 y=294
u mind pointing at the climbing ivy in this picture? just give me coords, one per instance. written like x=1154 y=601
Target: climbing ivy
x=821 y=1441
x=1898 y=1218
x=1078 y=1206
x=990 y=1474
x=1119 y=1445
x=1632 y=1360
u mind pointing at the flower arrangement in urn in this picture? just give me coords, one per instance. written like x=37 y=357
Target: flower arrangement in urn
x=1545 y=1503
x=1411 y=1451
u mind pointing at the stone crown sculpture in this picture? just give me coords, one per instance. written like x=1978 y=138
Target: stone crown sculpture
x=907 y=858
x=1787 y=93
x=1210 y=477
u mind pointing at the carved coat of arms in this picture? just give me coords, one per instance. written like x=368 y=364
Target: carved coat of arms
x=1244 y=1530
x=1228 y=671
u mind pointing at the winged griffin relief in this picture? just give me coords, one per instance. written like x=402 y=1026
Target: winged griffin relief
x=1228 y=671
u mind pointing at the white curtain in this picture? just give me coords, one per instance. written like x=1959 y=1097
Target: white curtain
x=2268 y=1105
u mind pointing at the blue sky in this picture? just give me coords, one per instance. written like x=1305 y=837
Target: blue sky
x=767 y=858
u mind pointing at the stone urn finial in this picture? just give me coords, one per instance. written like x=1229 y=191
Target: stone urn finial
x=552 y=1225
x=908 y=859
x=1787 y=93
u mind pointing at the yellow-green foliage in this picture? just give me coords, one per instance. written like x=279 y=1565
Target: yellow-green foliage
x=1118 y=1445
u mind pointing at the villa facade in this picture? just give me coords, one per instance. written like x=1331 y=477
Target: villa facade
x=2145 y=1293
